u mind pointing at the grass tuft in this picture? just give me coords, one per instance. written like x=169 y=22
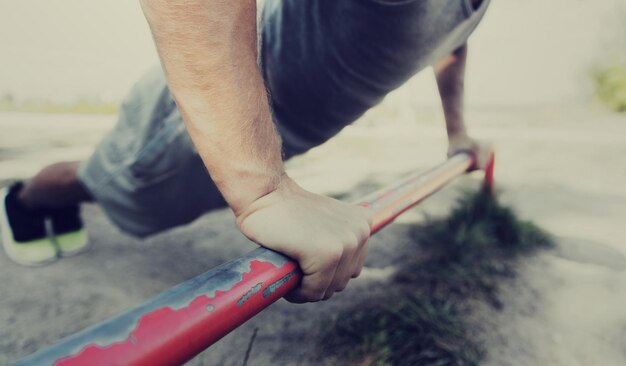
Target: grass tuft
x=610 y=84
x=423 y=318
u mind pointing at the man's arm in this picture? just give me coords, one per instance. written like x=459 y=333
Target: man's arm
x=450 y=74
x=208 y=51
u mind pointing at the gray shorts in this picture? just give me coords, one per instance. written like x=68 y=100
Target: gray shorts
x=325 y=63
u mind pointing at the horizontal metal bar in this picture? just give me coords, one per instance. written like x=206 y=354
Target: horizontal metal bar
x=181 y=322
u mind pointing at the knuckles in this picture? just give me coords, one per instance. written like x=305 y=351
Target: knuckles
x=332 y=257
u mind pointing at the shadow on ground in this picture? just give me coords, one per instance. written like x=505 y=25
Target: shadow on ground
x=423 y=318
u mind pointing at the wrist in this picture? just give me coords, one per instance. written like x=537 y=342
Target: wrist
x=456 y=129
x=458 y=137
x=459 y=142
x=284 y=188
x=243 y=192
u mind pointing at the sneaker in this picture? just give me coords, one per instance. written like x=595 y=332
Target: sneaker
x=69 y=233
x=24 y=236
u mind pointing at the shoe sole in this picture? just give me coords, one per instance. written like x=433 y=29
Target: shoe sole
x=10 y=245
x=73 y=243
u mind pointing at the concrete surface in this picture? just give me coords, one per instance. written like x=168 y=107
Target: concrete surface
x=562 y=167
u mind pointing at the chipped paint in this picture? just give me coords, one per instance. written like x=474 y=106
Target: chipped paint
x=278 y=284
x=256 y=288
x=221 y=283
x=181 y=322
x=153 y=342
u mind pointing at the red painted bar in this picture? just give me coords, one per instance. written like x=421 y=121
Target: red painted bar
x=181 y=322
x=489 y=171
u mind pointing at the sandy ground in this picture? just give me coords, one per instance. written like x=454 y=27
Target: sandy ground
x=561 y=167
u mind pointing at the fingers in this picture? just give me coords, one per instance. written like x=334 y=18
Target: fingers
x=335 y=273
x=309 y=290
x=330 y=248
x=344 y=270
x=360 y=260
x=317 y=280
x=480 y=150
x=484 y=155
x=354 y=249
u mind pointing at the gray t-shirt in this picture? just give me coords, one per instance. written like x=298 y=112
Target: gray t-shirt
x=326 y=62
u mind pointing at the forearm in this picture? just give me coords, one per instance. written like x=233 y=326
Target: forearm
x=208 y=52
x=450 y=75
